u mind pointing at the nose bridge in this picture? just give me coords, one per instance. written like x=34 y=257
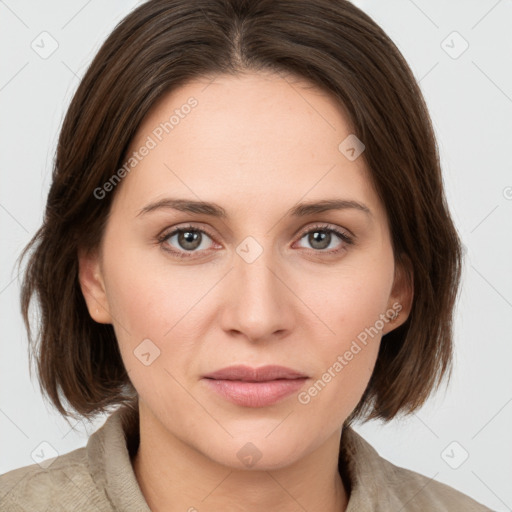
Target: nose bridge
x=259 y=305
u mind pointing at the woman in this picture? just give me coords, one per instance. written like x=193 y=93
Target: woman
x=246 y=247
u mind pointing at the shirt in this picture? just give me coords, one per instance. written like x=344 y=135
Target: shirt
x=99 y=477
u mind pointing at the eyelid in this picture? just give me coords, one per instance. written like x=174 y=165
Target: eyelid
x=165 y=233
x=344 y=232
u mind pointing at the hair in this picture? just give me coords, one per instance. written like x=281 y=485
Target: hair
x=162 y=45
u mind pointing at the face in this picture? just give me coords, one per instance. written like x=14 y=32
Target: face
x=262 y=278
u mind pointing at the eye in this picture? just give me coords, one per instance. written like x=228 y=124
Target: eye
x=185 y=240
x=321 y=238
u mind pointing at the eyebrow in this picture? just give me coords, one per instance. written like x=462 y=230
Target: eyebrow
x=214 y=210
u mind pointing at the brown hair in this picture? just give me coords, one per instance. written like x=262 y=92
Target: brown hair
x=165 y=43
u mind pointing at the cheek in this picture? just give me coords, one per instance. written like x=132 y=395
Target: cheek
x=147 y=294
x=158 y=316
x=361 y=316
x=352 y=301
x=354 y=310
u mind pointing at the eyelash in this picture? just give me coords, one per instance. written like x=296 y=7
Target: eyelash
x=348 y=240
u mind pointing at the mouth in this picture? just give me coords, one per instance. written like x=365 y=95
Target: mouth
x=255 y=387
x=260 y=374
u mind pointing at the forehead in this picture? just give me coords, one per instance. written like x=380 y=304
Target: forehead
x=257 y=138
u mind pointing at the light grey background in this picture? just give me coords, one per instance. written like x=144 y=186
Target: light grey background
x=470 y=99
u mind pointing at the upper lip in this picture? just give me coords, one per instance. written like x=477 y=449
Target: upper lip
x=260 y=374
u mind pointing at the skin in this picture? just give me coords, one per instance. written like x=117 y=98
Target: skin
x=256 y=144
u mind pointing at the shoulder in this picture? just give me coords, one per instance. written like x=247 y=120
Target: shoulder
x=56 y=484
x=419 y=493
x=97 y=477
x=378 y=484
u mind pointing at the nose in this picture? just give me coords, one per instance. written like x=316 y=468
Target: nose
x=259 y=303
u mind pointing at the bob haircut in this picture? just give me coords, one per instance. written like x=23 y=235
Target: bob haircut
x=160 y=46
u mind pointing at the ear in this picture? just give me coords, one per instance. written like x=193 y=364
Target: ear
x=92 y=284
x=402 y=294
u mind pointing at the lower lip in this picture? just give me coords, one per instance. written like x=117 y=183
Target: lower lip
x=255 y=394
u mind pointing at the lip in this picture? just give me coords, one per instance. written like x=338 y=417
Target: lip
x=260 y=374
x=255 y=387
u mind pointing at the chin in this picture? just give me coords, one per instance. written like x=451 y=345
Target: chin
x=259 y=451
x=248 y=456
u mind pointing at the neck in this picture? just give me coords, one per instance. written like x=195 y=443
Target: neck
x=174 y=476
